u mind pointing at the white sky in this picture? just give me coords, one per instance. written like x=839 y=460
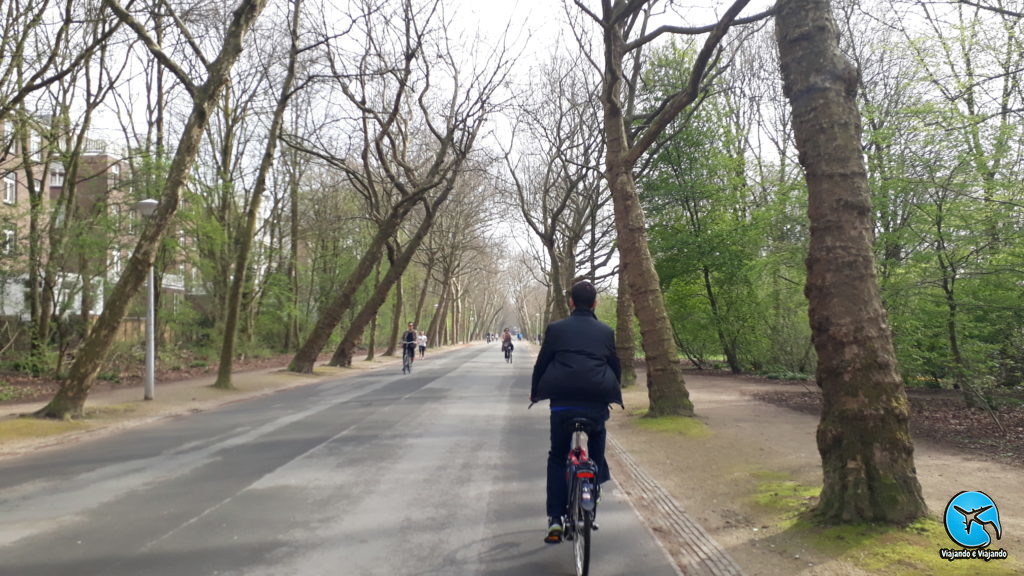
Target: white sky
x=536 y=24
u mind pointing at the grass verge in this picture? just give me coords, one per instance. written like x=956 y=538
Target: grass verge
x=682 y=425
x=27 y=427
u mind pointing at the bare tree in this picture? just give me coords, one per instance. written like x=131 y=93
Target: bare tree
x=70 y=398
x=554 y=173
x=863 y=436
x=246 y=237
x=25 y=28
x=410 y=140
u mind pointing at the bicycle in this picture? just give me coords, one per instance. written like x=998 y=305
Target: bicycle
x=507 y=349
x=584 y=492
x=407 y=359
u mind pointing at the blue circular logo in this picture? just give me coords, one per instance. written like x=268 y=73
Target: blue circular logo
x=968 y=518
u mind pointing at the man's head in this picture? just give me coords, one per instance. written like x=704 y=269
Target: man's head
x=583 y=295
x=412 y=326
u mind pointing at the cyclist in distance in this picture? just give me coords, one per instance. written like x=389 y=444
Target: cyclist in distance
x=578 y=371
x=506 y=340
x=409 y=342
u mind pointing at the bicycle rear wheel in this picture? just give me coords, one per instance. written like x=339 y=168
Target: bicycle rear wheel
x=581 y=541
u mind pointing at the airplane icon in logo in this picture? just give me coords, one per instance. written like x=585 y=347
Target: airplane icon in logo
x=972 y=518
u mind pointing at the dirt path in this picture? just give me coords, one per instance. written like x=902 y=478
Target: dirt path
x=716 y=475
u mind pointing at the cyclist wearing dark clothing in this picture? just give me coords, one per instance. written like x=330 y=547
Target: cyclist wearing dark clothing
x=409 y=342
x=578 y=371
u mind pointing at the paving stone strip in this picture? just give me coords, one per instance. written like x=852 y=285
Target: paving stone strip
x=697 y=554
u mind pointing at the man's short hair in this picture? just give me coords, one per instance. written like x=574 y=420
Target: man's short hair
x=583 y=295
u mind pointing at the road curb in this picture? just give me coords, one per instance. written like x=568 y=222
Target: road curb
x=698 y=554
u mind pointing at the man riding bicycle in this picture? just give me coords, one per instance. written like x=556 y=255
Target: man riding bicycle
x=578 y=370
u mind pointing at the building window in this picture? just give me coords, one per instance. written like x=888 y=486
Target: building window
x=10 y=189
x=7 y=242
x=56 y=179
x=8 y=137
x=36 y=143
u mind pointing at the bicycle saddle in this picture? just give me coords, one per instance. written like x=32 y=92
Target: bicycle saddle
x=584 y=424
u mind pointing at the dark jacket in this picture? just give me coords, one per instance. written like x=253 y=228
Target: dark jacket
x=577 y=363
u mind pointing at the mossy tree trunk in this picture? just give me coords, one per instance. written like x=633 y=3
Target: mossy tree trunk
x=863 y=436
x=624 y=347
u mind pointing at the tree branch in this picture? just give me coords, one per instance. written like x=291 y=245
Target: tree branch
x=184 y=32
x=995 y=9
x=695 y=31
x=685 y=97
x=152 y=46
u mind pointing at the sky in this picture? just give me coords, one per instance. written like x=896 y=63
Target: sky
x=536 y=24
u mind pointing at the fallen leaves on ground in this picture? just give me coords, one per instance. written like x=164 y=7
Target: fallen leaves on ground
x=940 y=416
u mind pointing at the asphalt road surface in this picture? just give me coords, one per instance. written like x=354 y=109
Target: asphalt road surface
x=440 y=472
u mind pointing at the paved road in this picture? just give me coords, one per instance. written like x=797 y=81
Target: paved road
x=435 y=473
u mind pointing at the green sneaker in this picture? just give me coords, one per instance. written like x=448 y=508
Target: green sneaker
x=554 y=531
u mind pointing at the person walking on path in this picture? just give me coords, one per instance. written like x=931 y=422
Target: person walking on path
x=422 y=340
x=578 y=370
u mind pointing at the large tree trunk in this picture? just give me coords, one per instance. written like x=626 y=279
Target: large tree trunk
x=665 y=385
x=558 y=304
x=396 y=316
x=423 y=293
x=70 y=398
x=440 y=308
x=241 y=267
x=863 y=436
x=624 y=331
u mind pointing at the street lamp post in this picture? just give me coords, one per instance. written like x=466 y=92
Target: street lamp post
x=146 y=208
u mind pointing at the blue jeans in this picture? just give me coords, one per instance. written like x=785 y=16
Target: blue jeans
x=561 y=440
